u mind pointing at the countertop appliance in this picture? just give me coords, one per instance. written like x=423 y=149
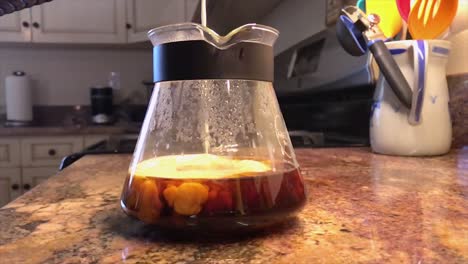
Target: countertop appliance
x=102 y=106
x=19 y=101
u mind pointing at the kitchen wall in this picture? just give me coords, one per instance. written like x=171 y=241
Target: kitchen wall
x=62 y=75
x=296 y=20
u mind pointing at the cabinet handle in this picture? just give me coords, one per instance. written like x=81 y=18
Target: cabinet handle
x=15 y=186
x=26 y=186
x=128 y=25
x=52 y=152
x=25 y=24
x=35 y=25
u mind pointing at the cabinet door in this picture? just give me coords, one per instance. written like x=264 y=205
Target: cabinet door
x=48 y=151
x=16 y=27
x=143 y=15
x=83 y=21
x=10 y=185
x=34 y=176
x=10 y=153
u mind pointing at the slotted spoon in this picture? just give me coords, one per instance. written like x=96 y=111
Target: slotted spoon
x=430 y=18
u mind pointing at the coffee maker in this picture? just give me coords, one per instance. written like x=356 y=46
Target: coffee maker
x=102 y=105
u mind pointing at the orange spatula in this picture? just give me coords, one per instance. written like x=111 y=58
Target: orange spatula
x=430 y=18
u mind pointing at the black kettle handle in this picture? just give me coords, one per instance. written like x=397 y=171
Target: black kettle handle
x=392 y=72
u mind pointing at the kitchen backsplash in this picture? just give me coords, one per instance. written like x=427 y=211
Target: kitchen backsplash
x=458 y=88
x=63 y=75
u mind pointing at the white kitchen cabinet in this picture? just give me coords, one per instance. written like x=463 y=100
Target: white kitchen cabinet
x=10 y=185
x=27 y=161
x=16 y=27
x=34 y=176
x=91 y=22
x=10 y=155
x=83 y=21
x=143 y=15
x=48 y=151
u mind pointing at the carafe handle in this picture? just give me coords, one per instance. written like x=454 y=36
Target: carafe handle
x=420 y=54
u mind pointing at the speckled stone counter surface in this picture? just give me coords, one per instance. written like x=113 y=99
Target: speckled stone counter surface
x=362 y=208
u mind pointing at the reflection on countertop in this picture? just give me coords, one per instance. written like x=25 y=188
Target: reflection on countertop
x=362 y=208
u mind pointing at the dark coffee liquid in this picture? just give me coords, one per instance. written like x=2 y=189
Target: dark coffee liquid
x=245 y=202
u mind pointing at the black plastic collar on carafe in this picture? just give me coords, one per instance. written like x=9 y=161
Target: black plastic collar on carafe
x=199 y=60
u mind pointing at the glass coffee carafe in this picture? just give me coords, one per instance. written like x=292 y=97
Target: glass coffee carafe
x=214 y=153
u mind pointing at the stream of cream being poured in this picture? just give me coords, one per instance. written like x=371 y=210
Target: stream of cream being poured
x=203 y=13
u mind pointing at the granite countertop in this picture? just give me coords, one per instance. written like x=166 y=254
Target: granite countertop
x=362 y=208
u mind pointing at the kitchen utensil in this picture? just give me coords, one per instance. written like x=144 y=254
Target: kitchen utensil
x=214 y=153
x=404 y=8
x=18 y=98
x=362 y=5
x=102 y=108
x=430 y=18
x=350 y=37
x=357 y=33
x=390 y=20
x=392 y=132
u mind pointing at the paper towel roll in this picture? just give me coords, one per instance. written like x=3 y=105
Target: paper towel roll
x=18 y=97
